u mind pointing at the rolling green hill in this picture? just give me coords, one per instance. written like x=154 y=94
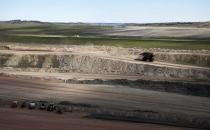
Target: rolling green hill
x=86 y=33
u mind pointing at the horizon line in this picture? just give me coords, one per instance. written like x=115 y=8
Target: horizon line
x=22 y=20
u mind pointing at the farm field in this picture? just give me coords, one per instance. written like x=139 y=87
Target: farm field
x=107 y=35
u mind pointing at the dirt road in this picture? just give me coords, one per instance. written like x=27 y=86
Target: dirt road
x=19 y=119
x=106 y=96
x=109 y=96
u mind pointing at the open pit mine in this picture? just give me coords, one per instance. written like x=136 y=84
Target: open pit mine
x=108 y=83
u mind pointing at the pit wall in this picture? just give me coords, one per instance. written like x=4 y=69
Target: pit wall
x=184 y=58
x=185 y=88
x=96 y=65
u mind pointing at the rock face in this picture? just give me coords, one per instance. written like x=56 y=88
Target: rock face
x=97 y=65
x=184 y=58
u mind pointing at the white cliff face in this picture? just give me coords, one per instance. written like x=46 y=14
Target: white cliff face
x=80 y=63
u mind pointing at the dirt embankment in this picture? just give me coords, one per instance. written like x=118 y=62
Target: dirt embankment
x=184 y=58
x=188 y=57
x=81 y=63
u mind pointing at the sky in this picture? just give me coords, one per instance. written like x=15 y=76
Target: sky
x=106 y=11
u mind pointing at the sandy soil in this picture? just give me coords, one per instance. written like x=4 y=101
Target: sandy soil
x=19 y=119
x=109 y=96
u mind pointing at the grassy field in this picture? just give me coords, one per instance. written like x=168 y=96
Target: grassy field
x=171 y=44
x=48 y=33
